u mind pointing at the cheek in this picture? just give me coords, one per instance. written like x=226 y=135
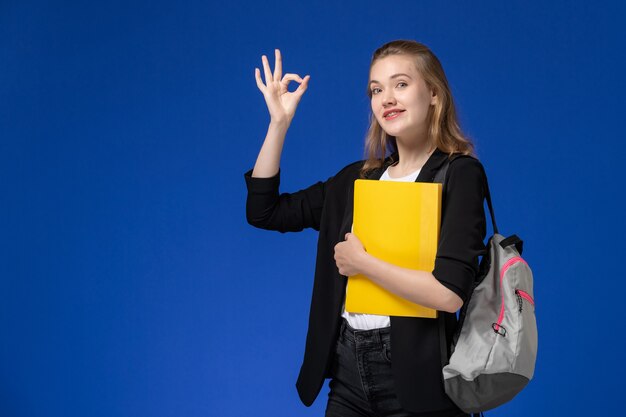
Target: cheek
x=375 y=113
x=421 y=106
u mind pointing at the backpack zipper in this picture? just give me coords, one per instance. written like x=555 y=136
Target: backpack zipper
x=519 y=301
x=497 y=326
x=521 y=294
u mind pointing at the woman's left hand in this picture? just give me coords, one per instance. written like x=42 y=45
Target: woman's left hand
x=349 y=254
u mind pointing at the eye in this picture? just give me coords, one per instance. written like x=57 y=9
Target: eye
x=400 y=83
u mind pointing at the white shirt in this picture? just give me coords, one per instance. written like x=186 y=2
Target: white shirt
x=374 y=321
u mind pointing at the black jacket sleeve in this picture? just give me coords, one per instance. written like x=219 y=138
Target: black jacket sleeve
x=463 y=227
x=287 y=212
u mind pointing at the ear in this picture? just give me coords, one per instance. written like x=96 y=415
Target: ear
x=433 y=97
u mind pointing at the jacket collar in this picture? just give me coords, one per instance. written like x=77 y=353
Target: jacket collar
x=427 y=173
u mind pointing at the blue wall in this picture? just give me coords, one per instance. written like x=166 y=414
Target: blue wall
x=130 y=282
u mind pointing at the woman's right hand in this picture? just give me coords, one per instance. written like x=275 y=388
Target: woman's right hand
x=281 y=103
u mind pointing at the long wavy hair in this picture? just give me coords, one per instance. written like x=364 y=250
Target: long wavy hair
x=444 y=130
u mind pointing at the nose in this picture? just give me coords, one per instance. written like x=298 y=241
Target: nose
x=388 y=98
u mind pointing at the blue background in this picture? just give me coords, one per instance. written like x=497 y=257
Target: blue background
x=130 y=282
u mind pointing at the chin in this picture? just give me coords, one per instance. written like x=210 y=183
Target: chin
x=395 y=132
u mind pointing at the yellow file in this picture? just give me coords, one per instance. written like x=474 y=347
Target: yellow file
x=397 y=222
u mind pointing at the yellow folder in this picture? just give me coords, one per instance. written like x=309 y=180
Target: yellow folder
x=397 y=222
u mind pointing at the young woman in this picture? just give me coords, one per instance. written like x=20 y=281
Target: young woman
x=412 y=117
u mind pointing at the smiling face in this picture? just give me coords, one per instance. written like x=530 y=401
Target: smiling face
x=395 y=84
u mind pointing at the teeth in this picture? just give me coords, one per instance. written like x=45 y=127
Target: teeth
x=392 y=113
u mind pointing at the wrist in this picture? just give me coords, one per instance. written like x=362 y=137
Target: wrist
x=280 y=124
x=364 y=262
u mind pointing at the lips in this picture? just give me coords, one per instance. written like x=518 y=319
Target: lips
x=392 y=114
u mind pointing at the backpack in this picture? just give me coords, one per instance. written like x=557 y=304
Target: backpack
x=494 y=348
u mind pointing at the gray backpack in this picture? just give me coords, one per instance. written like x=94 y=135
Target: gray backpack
x=495 y=345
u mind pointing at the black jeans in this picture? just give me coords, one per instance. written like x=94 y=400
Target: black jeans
x=361 y=381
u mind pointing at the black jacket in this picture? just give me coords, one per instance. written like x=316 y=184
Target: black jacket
x=327 y=207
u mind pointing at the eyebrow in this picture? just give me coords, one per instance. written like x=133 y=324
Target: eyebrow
x=393 y=76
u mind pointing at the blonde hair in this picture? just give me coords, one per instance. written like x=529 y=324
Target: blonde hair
x=444 y=130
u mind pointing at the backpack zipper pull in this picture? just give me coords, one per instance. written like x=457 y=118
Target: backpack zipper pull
x=519 y=300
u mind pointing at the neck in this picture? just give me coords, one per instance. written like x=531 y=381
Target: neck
x=413 y=156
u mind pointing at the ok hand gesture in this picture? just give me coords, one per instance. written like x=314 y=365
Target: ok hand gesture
x=281 y=103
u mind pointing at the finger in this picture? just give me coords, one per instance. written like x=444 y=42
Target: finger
x=278 y=68
x=288 y=78
x=259 y=82
x=303 y=85
x=267 y=71
x=294 y=77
